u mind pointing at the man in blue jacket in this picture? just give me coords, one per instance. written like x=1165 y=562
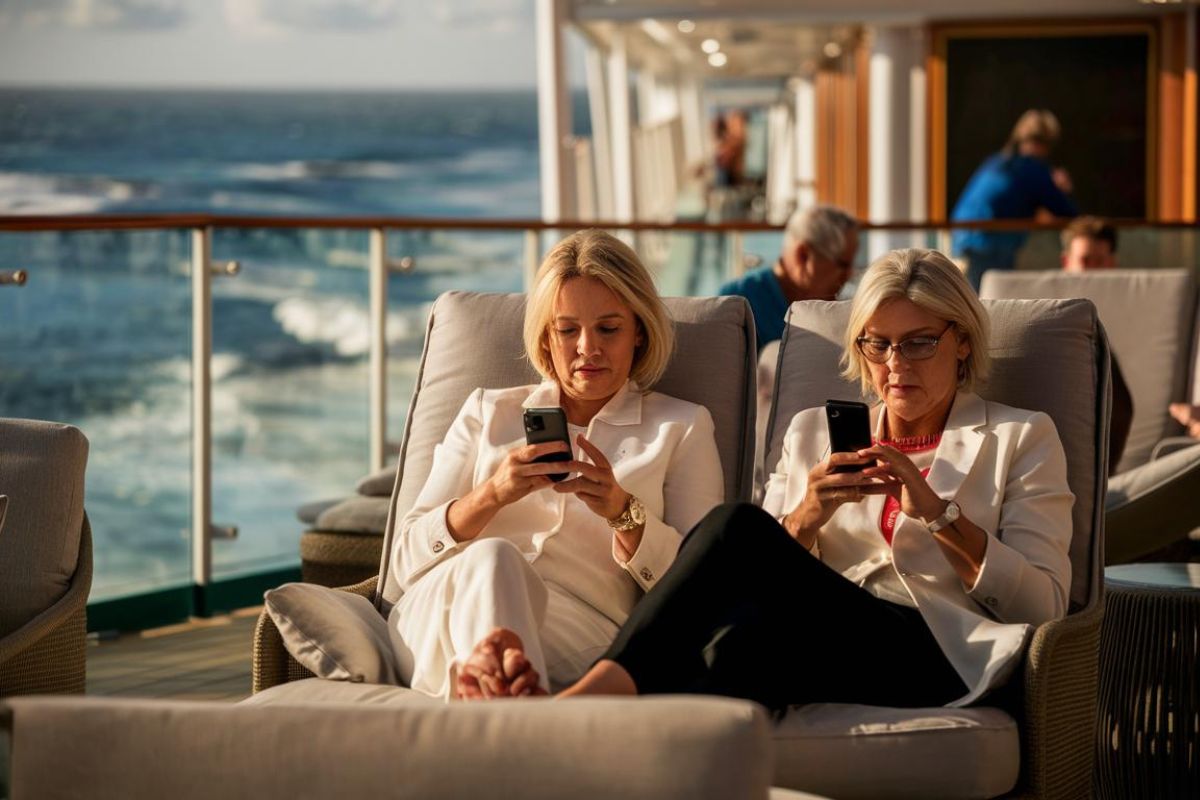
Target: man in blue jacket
x=819 y=245
x=1013 y=184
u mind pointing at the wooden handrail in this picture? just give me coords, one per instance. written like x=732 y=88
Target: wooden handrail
x=99 y=222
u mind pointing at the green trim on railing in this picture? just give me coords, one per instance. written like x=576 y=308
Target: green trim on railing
x=178 y=603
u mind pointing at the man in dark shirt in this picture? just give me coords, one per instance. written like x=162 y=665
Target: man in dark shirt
x=819 y=245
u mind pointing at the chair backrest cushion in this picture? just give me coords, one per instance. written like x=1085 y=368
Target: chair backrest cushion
x=1047 y=355
x=474 y=340
x=41 y=470
x=1148 y=315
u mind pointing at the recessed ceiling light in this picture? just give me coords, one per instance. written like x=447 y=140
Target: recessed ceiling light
x=710 y=45
x=718 y=59
x=686 y=26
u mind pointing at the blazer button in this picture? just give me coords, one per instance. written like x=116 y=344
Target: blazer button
x=438 y=547
x=646 y=574
x=993 y=602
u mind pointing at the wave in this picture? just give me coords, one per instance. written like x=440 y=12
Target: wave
x=320 y=170
x=345 y=324
x=32 y=193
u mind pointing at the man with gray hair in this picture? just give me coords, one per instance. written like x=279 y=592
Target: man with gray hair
x=819 y=245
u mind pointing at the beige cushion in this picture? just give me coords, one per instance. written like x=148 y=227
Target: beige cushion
x=315 y=690
x=334 y=634
x=1046 y=355
x=378 y=484
x=687 y=748
x=1147 y=314
x=41 y=470
x=1194 y=362
x=853 y=751
x=474 y=340
x=355 y=514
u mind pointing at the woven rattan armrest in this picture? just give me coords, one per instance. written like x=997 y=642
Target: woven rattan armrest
x=273 y=664
x=1059 y=706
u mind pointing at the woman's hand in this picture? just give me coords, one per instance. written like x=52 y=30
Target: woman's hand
x=905 y=482
x=519 y=474
x=595 y=485
x=828 y=490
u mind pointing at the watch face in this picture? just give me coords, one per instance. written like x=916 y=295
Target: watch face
x=637 y=512
x=952 y=511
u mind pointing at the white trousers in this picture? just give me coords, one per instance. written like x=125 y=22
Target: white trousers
x=491 y=585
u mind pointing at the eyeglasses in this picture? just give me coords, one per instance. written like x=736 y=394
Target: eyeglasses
x=918 y=348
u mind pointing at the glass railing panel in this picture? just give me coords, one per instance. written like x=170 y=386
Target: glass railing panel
x=100 y=337
x=289 y=386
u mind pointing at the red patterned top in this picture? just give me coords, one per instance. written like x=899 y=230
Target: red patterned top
x=891 y=505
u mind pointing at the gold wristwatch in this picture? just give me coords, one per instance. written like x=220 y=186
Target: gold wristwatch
x=633 y=516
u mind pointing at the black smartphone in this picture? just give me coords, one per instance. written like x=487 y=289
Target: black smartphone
x=548 y=425
x=849 y=430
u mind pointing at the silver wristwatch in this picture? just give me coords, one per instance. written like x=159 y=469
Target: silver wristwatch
x=633 y=516
x=947 y=518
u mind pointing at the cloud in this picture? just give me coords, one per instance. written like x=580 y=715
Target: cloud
x=148 y=15
x=265 y=18
x=484 y=16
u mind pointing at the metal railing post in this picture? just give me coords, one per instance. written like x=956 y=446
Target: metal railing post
x=737 y=254
x=377 y=280
x=201 y=406
x=533 y=256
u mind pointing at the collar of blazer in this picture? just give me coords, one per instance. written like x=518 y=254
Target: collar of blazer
x=623 y=408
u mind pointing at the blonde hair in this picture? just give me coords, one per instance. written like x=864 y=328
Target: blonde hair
x=935 y=284
x=1035 y=125
x=604 y=257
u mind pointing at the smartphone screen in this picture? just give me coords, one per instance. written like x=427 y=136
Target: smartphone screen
x=548 y=425
x=849 y=429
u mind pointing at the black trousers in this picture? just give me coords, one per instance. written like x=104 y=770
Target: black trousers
x=745 y=611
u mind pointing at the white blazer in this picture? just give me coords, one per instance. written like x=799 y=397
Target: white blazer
x=662 y=450
x=1006 y=469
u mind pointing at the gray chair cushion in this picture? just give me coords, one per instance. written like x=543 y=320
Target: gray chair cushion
x=378 y=484
x=474 y=340
x=1046 y=356
x=355 y=514
x=1151 y=506
x=41 y=470
x=1148 y=316
x=854 y=751
x=333 y=634
x=309 y=512
x=689 y=748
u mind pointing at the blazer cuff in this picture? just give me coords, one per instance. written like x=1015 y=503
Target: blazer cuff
x=999 y=577
x=429 y=538
x=655 y=553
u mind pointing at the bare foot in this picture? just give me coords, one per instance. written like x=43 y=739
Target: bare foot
x=497 y=667
x=605 y=678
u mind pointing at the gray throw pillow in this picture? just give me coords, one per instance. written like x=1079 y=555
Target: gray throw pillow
x=334 y=634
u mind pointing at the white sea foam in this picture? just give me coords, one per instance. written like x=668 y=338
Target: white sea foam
x=344 y=323
x=33 y=193
x=317 y=170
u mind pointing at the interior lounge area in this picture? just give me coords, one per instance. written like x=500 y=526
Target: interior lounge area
x=864 y=337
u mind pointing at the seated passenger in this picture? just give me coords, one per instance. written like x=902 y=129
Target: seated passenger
x=1090 y=243
x=913 y=582
x=819 y=245
x=515 y=583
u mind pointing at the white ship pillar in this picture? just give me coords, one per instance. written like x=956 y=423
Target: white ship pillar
x=805 y=114
x=554 y=111
x=597 y=87
x=621 y=143
x=896 y=135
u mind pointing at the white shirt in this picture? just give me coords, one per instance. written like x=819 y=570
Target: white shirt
x=662 y=450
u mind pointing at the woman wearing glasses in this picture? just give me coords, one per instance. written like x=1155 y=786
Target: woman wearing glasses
x=910 y=582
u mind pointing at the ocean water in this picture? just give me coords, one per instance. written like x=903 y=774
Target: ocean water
x=100 y=336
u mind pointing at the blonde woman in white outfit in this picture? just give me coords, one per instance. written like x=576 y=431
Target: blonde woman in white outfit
x=514 y=584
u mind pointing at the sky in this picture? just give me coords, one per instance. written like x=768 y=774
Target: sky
x=365 y=44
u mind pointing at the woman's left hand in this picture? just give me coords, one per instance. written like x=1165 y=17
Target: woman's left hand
x=595 y=485
x=909 y=486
